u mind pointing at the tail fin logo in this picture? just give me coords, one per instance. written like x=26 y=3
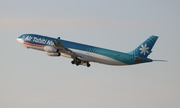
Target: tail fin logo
x=144 y=49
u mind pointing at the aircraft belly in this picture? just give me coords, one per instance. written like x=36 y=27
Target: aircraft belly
x=92 y=57
x=83 y=55
x=86 y=56
x=105 y=60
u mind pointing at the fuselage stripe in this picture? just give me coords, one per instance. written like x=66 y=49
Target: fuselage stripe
x=32 y=44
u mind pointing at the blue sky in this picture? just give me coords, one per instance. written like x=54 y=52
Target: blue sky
x=31 y=79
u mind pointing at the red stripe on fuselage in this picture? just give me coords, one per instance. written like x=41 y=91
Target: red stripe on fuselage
x=32 y=44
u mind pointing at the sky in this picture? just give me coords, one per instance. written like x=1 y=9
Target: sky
x=31 y=79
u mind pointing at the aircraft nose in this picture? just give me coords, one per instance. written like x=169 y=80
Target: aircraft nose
x=20 y=40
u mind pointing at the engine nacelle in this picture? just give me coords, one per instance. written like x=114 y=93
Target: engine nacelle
x=53 y=54
x=51 y=49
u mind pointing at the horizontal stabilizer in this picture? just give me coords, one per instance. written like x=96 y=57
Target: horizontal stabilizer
x=161 y=60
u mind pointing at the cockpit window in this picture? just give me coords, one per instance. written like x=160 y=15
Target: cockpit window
x=22 y=36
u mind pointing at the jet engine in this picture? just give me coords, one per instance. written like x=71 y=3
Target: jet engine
x=50 y=49
x=53 y=54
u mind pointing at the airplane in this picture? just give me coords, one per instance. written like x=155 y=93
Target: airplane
x=82 y=54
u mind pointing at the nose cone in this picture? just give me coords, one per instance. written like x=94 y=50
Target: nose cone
x=20 y=40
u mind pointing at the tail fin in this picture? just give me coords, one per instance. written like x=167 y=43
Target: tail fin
x=145 y=48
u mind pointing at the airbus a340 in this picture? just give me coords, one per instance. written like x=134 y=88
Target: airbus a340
x=82 y=54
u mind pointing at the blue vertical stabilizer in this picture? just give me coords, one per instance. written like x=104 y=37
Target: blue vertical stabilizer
x=144 y=49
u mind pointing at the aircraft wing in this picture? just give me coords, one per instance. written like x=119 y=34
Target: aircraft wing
x=64 y=49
